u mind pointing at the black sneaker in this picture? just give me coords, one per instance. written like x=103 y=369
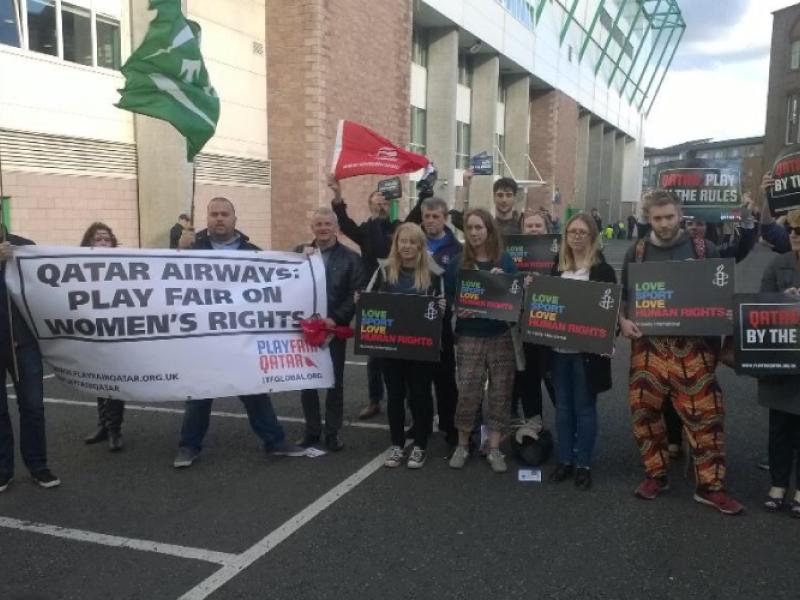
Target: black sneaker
x=583 y=478
x=185 y=457
x=5 y=481
x=46 y=479
x=308 y=440
x=561 y=472
x=333 y=442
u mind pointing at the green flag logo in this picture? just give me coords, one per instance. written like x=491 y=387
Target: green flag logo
x=166 y=77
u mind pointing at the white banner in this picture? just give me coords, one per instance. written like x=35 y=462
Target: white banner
x=161 y=325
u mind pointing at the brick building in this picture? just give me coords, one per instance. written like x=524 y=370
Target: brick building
x=564 y=86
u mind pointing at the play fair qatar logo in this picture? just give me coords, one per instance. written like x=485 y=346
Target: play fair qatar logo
x=285 y=354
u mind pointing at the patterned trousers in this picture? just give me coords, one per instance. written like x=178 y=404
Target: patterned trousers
x=681 y=369
x=474 y=357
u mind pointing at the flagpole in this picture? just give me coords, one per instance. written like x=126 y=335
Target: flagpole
x=3 y=239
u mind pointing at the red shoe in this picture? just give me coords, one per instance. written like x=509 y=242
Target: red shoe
x=650 y=488
x=719 y=500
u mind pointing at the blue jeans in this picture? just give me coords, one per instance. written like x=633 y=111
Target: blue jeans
x=30 y=399
x=576 y=410
x=259 y=411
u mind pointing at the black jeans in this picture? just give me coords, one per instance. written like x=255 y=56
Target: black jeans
x=416 y=377
x=444 y=382
x=334 y=400
x=528 y=383
x=30 y=400
x=784 y=447
x=375 y=379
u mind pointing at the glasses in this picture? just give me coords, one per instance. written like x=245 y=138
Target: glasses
x=794 y=230
x=578 y=234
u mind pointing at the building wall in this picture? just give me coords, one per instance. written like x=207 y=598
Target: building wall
x=325 y=65
x=782 y=81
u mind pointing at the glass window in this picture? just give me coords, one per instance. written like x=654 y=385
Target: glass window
x=10 y=23
x=76 y=30
x=792 y=129
x=419 y=47
x=42 y=26
x=462 y=145
x=418 y=138
x=795 y=61
x=108 y=44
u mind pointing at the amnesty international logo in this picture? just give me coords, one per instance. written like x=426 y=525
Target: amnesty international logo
x=721 y=278
x=515 y=287
x=432 y=313
x=554 y=246
x=607 y=301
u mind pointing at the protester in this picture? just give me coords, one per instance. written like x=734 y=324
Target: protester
x=680 y=368
x=409 y=270
x=343 y=276
x=374 y=239
x=528 y=382
x=504 y=194
x=781 y=393
x=27 y=372
x=597 y=220
x=482 y=345
x=445 y=249
x=578 y=377
x=631 y=225
x=109 y=410
x=177 y=230
x=222 y=235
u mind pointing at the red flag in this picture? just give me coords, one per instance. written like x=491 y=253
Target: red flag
x=360 y=151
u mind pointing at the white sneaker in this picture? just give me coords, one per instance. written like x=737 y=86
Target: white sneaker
x=394 y=458
x=459 y=458
x=417 y=458
x=497 y=461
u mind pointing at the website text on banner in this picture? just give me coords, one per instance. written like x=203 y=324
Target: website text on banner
x=168 y=325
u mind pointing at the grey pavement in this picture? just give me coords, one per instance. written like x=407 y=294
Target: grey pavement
x=398 y=534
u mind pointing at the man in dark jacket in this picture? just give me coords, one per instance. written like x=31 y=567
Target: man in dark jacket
x=16 y=338
x=223 y=235
x=504 y=196
x=177 y=230
x=680 y=369
x=343 y=276
x=374 y=239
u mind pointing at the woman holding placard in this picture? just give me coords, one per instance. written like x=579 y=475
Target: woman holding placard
x=781 y=393
x=109 y=410
x=482 y=345
x=579 y=376
x=409 y=270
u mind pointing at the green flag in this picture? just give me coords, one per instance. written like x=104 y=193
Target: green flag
x=166 y=78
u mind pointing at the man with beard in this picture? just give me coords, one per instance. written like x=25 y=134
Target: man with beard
x=504 y=195
x=678 y=368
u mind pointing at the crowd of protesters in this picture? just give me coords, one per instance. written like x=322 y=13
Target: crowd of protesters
x=485 y=375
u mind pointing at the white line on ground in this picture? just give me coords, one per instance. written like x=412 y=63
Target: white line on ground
x=355 y=362
x=179 y=411
x=45 y=377
x=78 y=535
x=260 y=549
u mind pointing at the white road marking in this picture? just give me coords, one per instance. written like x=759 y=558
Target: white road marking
x=79 y=535
x=216 y=413
x=260 y=549
x=355 y=362
x=45 y=377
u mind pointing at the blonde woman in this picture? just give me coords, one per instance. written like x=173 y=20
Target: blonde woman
x=578 y=377
x=409 y=270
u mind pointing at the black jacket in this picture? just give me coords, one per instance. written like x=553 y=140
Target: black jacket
x=344 y=275
x=22 y=334
x=597 y=368
x=373 y=236
x=203 y=242
x=175 y=235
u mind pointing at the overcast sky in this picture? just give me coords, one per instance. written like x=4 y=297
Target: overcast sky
x=717 y=85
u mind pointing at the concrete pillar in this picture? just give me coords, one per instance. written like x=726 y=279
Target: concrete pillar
x=582 y=162
x=594 y=171
x=483 y=127
x=518 y=98
x=616 y=178
x=607 y=174
x=632 y=175
x=165 y=178
x=441 y=106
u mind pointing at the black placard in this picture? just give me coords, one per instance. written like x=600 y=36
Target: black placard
x=688 y=297
x=571 y=314
x=709 y=194
x=403 y=326
x=533 y=253
x=481 y=294
x=766 y=334
x=391 y=189
x=785 y=194
x=482 y=164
